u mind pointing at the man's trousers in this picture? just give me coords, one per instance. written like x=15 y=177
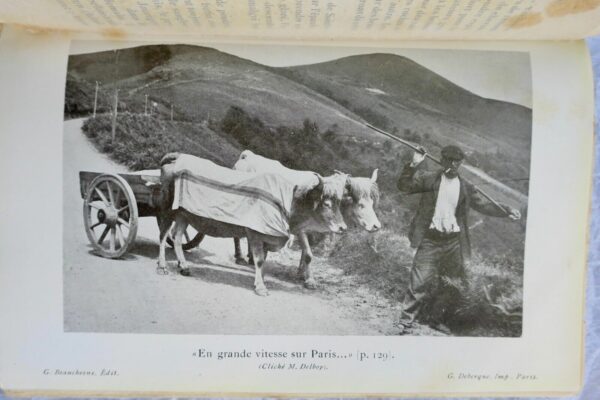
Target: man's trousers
x=439 y=255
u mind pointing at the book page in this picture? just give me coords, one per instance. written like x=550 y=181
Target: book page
x=314 y=20
x=99 y=313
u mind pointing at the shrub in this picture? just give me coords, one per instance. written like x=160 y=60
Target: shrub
x=141 y=141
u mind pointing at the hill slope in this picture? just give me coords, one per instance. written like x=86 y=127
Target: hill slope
x=389 y=91
x=203 y=83
x=399 y=93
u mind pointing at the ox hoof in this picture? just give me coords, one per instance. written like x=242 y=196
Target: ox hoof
x=310 y=284
x=185 y=271
x=240 y=261
x=261 y=291
x=162 y=271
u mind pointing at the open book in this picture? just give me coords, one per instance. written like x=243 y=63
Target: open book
x=368 y=197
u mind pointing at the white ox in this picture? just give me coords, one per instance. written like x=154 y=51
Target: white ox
x=315 y=205
x=360 y=197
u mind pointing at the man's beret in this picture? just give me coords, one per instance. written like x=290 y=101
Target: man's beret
x=453 y=153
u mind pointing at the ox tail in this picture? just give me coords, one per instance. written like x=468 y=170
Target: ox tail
x=167 y=182
x=169 y=158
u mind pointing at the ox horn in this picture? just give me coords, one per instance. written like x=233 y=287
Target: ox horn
x=320 y=178
x=374 y=176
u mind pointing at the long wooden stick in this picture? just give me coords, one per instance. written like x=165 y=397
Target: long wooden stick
x=434 y=159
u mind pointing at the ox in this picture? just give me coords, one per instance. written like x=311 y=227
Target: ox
x=316 y=205
x=360 y=197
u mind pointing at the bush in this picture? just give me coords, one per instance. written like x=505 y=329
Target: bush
x=141 y=141
x=490 y=303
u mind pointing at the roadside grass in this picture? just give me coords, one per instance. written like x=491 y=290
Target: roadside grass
x=487 y=303
x=141 y=141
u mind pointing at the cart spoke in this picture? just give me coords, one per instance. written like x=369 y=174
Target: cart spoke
x=110 y=193
x=117 y=198
x=96 y=206
x=111 y=238
x=120 y=236
x=102 y=196
x=120 y=210
x=96 y=224
x=123 y=222
x=103 y=235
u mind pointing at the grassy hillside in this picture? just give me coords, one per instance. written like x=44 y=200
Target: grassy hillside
x=389 y=91
x=203 y=83
x=397 y=94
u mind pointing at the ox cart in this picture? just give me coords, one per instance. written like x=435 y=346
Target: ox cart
x=112 y=205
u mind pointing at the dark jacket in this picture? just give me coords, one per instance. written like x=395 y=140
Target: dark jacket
x=412 y=180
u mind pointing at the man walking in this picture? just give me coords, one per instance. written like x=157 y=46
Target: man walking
x=440 y=229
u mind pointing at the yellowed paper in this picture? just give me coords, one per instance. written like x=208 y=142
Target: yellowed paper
x=545 y=359
x=315 y=19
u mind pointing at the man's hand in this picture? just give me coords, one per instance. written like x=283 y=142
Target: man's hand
x=513 y=213
x=418 y=157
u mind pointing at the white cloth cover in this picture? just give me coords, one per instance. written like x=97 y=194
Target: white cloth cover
x=251 y=162
x=261 y=202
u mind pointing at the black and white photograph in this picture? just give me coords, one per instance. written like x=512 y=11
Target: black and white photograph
x=282 y=190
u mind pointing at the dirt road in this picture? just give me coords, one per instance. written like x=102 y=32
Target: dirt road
x=127 y=296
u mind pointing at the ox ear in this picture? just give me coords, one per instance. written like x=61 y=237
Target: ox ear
x=310 y=196
x=374 y=176
x=244 y=154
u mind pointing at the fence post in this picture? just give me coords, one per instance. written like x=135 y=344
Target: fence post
x=95 y=99
x=146 y=106
x=114 y=116
x=171 y=112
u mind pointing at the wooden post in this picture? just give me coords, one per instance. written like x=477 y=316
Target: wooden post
x=171 y=112
x=146 y=106
x=116 y=106
x=114 y=116
x=95 y=99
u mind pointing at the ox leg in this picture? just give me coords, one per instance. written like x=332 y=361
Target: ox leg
x=265 y=254
x=179 y=230
x=290 y=243
x=250 y=258
x=257 y=248
x=238 y=252
x=304 y=270
x=165 y=225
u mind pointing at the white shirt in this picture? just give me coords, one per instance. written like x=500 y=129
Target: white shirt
x=444 y=216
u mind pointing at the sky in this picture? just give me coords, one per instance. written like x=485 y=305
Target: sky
x=499 y=75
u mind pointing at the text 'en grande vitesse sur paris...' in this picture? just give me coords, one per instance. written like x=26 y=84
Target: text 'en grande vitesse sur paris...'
x=311 y=359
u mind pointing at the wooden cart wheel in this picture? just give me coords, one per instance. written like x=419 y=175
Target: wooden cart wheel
x=110 y=215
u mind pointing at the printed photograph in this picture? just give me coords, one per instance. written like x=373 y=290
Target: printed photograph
x=256 y=190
